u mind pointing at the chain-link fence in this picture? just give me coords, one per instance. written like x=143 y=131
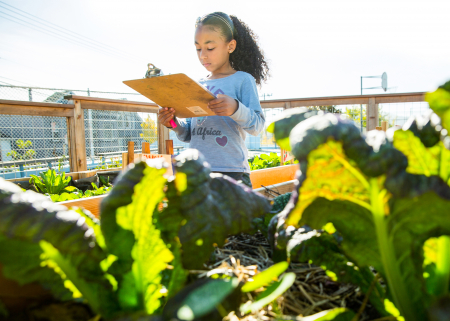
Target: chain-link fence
x=108 y=133
x=396 y=114
x=31 y=144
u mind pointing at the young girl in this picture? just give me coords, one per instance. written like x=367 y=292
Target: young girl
x=228 y=49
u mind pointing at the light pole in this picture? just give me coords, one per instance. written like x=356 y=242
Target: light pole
x=383 y=86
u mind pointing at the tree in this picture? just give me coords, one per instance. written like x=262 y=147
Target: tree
x=328 y=109
x=149 y=130
x=25 y=152
x=354 y=113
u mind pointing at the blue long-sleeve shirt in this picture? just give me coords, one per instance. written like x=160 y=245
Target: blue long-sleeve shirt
x=221 y=139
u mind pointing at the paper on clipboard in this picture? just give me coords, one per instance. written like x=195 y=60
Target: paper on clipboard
x=178 y=91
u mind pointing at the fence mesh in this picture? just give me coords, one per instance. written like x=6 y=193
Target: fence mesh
x=30 y=144
x=108 y=133
x=396 y=114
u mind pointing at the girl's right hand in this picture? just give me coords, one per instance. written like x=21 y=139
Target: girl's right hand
x=165 y=115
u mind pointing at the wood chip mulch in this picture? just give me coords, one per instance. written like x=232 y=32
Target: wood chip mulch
x=313 y=291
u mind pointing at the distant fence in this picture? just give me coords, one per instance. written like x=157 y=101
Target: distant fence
x=48 y=131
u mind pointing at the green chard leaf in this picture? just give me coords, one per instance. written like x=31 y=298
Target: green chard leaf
x=120 y=241
x=419 y=142
x=270 y=294
x=162 y=222
x=265 y=277
x=208 y=207
x=3 y=311
x=383 y=213
x=336 y=314
x=143 y=255
x=439 y=101
x=203 y=299
x=44 y=242
x=281 y=128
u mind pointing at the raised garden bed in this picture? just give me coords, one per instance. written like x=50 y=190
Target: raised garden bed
x=82 y=187
x=269 y=181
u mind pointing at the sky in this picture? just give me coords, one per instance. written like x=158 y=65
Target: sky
x=314 y=48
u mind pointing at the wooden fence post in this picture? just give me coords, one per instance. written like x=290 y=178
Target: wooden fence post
x=371 y=115
x=163 y=135
x=78 y=138
x=146 y=148
x=130 y=152
x=169 y=147
x=124 y=161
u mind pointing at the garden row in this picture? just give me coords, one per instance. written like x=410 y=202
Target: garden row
x=82 y=188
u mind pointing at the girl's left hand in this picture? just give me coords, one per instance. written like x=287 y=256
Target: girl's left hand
x=223 y=105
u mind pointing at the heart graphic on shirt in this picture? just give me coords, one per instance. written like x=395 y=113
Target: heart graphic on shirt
x=222 y=141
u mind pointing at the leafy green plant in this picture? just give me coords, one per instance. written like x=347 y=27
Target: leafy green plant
x=65 y=259
x=50 y=182
x=439 y=101
x=265 y=161
x=115 y=163
x=121 y=266
x=72 y=193
x=97 y=191
x=61 y=161
x=202 y=297
x=279 y=203
x=382 y=195
x=25 y=151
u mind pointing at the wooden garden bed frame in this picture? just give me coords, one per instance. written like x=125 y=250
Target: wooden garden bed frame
x=272 y=180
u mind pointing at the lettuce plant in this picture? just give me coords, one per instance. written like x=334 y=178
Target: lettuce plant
x=379 y=197
x=265 y=161
x=50 y=182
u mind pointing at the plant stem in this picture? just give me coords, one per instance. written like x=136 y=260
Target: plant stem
x=388 y=258
x=443 y=265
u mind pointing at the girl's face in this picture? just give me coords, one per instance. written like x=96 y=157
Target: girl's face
x=213 y=50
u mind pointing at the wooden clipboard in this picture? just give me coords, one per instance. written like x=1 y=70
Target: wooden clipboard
x=186 y=96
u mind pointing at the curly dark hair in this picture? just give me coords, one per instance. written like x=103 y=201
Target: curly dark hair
x=247 y=56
